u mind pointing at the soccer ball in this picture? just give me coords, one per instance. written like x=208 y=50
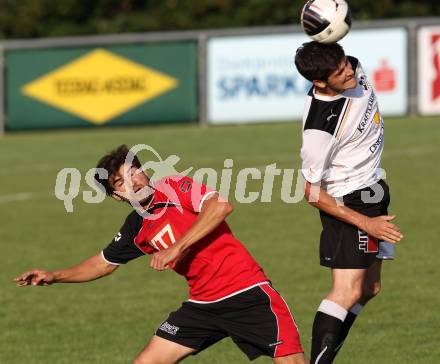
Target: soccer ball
x=326 y=21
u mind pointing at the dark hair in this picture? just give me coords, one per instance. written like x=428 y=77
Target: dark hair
x=111 y=163
x=317 y=61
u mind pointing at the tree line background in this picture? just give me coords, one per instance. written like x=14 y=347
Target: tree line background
x=51 y=18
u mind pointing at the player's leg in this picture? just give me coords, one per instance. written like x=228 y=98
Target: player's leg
x=188 y=330
x=371 y=288
x=372 y=284
x=346 y=291
x=260 y=323
x=347 y=286
x=344 y=246
x=162 y=351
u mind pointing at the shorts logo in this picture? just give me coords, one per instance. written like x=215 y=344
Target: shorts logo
x=367 y=243
x=277 y=343
x=168 y=328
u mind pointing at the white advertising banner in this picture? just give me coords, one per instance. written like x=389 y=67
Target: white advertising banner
x=253 y=78
x=428 y=70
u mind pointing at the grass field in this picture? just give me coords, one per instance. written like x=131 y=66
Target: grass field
x=110 y=320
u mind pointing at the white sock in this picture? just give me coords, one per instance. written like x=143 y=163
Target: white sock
x=333 y=309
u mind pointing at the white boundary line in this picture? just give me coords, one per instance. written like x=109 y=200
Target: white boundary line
x=21 y=196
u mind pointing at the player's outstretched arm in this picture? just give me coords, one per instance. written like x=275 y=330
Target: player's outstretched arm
x=93 y=268
x=379 y=227
x=214 y=211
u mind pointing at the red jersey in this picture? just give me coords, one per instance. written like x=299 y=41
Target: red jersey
x=216 y=266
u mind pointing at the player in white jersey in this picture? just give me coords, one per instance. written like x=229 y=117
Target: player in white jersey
x=343 y=137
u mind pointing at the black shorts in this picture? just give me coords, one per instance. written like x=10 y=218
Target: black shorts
x=257 y=320
x=344 y=245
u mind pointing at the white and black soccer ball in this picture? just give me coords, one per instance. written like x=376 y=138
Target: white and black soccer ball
x=326 y=21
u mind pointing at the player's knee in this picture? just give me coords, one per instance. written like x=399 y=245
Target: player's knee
x=355 y=295
x=346 y=296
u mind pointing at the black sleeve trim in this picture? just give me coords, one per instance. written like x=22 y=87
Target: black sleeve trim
x=122 y=248
x=324 y=115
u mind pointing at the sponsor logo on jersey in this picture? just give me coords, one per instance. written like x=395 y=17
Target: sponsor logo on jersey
x=363 y=81
x=118 y=237
x=376 y=118
x=368 y=112
x=331 y=116
x=185 y=186
x=168 y=328
x=378 y=142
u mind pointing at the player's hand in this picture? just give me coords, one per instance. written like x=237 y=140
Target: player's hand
x=36 y=277
x=382 y=228
x=164 y=259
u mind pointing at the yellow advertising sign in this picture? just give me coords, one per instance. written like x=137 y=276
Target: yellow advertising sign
x=99 y=86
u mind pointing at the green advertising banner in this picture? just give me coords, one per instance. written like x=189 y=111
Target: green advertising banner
x=112 y=85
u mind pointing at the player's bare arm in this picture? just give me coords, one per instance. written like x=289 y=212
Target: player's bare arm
x=213 y=212
x=380 y=227
x=93 y=268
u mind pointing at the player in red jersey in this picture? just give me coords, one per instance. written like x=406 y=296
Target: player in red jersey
x=183 y=227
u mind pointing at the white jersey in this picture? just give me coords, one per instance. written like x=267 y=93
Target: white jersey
x=343 y=138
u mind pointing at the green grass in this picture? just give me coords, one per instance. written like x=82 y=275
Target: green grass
x=110 y=320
